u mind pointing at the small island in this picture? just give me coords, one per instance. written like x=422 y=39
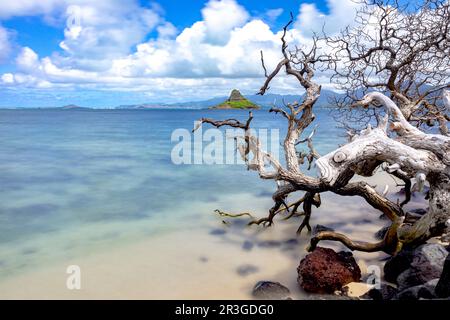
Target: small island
x=236 y=101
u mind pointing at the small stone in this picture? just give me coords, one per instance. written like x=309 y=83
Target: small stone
x=419 y=211
x=270 y=290
x=269 y=244
x=385 y=292
x=362 y=221
x=217 y=232
x=443 y=286
x=247 y=245
x=356 y=289
x=445 y=237
x=319 y=228
x=325 y=271
x=246 y=269
x=291 y=242
x=203 y=259
x=381 y=233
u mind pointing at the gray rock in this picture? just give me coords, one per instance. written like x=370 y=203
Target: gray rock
x=427 y=264
x=386 y=292
x=419 y=211
x=290 y=244
x=270 y=290
x=247 y=245
x=445 y=237
x=397 y=264
x=217 y=232
x=381 y=233
x=423 y=291
x=319 y=228
x=246 y=269
x=443 y=286
x=362 y=221
x=269 y=244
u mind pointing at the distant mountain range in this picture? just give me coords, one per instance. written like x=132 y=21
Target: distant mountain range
x=265 y=101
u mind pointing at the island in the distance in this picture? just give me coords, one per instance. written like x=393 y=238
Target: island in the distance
x=236 y=101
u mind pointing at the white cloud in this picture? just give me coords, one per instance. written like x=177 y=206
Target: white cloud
x=273 y=14
x=103 y=48
x=16 y=8
x=221 y=17
x=311 y=19
x=8 y=78
x=27 y=60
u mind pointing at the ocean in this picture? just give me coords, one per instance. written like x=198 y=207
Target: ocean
x=77 y=182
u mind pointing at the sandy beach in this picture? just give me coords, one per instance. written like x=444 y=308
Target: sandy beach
x=200 y=263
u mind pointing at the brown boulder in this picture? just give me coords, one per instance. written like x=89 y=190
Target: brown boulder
x=325 y=271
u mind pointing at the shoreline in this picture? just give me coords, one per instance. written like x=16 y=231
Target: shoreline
x=198 y=263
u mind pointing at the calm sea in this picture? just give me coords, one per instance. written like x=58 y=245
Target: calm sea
x=74 y=182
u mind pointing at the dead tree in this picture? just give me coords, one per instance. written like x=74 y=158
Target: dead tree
x=394 y=144
x=401 y=50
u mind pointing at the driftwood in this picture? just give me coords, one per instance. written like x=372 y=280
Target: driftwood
x=395 y=144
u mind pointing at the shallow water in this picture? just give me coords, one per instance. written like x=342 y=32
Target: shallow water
x=78 y=183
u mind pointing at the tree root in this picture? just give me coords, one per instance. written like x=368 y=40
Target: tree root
x=232 y=215
x=390 y=244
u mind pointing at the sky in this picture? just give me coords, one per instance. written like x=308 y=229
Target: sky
x=113 y=52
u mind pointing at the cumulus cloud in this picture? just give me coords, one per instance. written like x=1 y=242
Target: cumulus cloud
x=341 y=14
x=17 y=8
x=104 y=48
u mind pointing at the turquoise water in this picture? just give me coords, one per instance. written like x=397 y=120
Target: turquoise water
x=75 y=182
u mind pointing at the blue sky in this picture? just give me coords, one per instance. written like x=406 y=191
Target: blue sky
x=112 y=52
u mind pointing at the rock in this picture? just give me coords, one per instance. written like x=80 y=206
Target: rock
x=217 y=232
x=270 y=290
x=443 y=286
x=235 y=95
x=381 y=233
x=325 y=271
x=356 y=289
x=290 y=244
x=246 y=269
x=427 y=264
x=419 y=211
x=203 y=259
x=397 y=264
x=385 y=292
x=362 y=221
x=411 y=217
x=247 y=245
x=445 y=237
x=423 y=291
x=328 y=297
x=269 y=244
x=236 y=101
x=319 y=228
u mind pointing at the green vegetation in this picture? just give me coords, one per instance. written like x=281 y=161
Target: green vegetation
x=236 y=101
x=241 y=104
